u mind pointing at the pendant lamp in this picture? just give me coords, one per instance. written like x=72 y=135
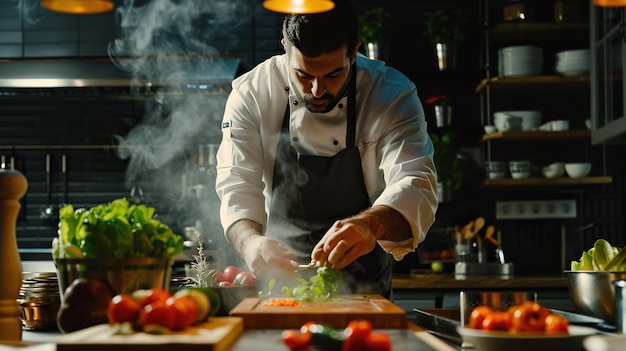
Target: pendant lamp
x=609 y=3
x=299 y=6
x=78 y=7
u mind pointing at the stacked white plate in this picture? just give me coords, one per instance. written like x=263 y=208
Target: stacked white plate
x=573 y=62
x=520 y=61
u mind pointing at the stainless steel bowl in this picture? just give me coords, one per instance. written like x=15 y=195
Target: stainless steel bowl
x=593 y=293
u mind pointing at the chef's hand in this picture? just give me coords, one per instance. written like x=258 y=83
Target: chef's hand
x=343 y=243
x=264 y=256
x=267 y=258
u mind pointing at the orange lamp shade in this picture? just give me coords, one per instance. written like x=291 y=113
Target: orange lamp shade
x=78 y=7
x=609 y=3
x=299 y=6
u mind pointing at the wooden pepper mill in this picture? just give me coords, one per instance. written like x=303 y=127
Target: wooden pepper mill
x=13 y=186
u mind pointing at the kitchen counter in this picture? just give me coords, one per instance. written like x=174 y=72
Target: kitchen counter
x=449 y=282
x=414 y=338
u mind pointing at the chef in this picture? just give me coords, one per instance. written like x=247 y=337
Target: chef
x=325 y=158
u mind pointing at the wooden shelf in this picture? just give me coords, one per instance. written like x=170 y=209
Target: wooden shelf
x=534 y=82
x=562 y=181
x=539 y=135
x=540 y=32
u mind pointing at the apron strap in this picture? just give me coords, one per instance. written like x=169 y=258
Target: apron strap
x=351 y=122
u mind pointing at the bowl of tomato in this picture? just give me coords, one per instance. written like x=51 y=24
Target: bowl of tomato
x=524 y=326
x=490 y=340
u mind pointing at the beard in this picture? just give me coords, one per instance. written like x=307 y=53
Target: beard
x=326 y=102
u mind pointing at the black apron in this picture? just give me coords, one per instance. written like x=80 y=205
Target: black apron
x=312 y=192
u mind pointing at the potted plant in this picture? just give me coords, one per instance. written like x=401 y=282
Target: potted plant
x=375 y=29
x=454 y=168
x=445 y=30
x=443 y=109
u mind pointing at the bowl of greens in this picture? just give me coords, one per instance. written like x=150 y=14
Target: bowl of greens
x=120 y=243
x=590 y=280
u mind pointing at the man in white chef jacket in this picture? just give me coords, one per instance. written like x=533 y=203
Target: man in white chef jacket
x=325 y=157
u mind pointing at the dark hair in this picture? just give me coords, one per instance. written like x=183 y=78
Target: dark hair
x=317 y=34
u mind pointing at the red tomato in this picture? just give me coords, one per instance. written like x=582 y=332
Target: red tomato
x=185 y=311
x=497 y=320
x=378 y=342
x=159 y=313
x=296 y=340
x=529 y=317
x=556 y=324
x=244 y=279
x=123 y=308
x=148 y=296
x=478 y=315
x=356 y=334
x=229 y=273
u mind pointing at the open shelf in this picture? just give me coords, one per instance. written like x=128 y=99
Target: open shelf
x=539 y=135
x=562 y=181
x=542 y=82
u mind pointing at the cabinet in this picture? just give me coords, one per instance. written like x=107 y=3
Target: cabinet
x=607 y=76
x=559 y=97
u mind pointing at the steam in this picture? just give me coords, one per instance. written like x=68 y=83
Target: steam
x=173 y=44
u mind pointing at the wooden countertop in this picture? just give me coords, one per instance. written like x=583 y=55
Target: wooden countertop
x=447 y=281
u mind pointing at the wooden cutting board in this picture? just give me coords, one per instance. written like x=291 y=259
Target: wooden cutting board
x=337 y=313
x=217 y=334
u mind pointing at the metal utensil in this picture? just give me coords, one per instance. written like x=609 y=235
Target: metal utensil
x=64 y=173
x=499 y=251
x=48 y=210
x=305 y=266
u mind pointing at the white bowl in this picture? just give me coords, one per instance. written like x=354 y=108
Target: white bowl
x=520 y=169
x=490 y=129
x=519 y=120
x=577 y=170
x=553 y=170
x=484 y=340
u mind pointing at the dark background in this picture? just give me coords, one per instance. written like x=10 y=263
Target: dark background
x=85 y=128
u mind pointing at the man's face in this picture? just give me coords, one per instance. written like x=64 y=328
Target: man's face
x=320 y=82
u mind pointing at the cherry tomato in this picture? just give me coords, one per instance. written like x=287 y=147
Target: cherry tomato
x=497 y=320
x=159 y=313
x=556 y=324
x=295 y=340
x=230 y=272
x=529 y=317
x=244 y=279
x=185 y=309
x=356 y=334
x=123 y=308
x=378 y=342
x=478 y=315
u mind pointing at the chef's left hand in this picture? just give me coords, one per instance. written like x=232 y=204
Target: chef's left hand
x=343 y=243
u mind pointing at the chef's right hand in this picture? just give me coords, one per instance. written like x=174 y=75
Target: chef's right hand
x=267 y=258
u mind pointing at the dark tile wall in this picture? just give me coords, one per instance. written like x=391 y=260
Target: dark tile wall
x=85 y=129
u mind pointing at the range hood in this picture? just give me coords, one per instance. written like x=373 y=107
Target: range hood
x=100 y=76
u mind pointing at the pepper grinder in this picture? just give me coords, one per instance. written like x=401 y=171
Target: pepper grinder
x=13 y=186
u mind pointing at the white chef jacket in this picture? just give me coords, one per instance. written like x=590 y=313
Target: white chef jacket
x=396 y=150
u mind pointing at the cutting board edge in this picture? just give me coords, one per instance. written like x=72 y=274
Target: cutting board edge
x=224 y=344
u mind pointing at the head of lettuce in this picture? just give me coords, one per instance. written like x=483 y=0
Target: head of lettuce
x=117 y=229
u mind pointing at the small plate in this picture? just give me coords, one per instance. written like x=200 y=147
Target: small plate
x=499 y=340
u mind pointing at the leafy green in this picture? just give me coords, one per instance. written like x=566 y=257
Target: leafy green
x=114 y=230
x=601 y=257
x=318 y=288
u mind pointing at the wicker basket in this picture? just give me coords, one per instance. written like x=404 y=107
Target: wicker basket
x=124 y=275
